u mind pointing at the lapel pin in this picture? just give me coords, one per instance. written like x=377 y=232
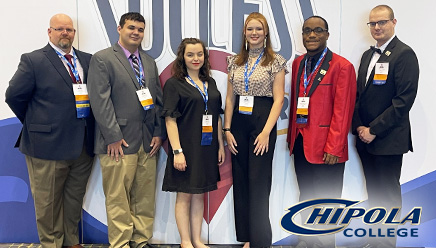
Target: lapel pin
x=388 y=53
x=322 y=72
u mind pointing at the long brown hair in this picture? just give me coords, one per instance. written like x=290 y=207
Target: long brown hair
x=268 y=55
x=179 y=70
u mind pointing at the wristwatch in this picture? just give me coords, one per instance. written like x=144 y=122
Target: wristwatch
x=175 y=152
x=226 y=130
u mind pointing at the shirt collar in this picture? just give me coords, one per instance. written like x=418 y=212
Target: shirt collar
x=60 y=50
x=383 y=47
x=127 y=53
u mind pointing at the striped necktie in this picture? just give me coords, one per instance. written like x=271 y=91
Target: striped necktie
x=135 y=65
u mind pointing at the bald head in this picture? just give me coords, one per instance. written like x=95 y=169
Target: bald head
x=61 y=32
x=60 y=18
x=386 y=8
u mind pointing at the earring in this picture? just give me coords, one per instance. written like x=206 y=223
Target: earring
x=246 y=45
x=264 y=42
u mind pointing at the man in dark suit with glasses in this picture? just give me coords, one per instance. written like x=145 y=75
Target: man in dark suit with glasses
x=387 y=84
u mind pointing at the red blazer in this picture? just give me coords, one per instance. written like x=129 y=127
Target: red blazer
x=331 y=106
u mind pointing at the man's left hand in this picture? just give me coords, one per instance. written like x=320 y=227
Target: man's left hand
x=156 y=143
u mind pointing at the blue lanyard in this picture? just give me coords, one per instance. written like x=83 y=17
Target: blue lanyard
x=308 y=79
x=73 y=68
x=141 y=72
x=205 y=96
x=246 y=77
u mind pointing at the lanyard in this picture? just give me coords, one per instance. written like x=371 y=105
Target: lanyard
x=308 y=79
x=73 y=68
x=205 y=95
x=246 y=77
x=141 y=72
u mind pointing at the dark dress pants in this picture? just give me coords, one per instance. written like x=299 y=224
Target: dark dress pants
x=316 y=181
x=382 y=175
x=252 y=175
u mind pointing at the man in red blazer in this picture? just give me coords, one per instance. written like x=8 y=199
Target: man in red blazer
x=323 y=94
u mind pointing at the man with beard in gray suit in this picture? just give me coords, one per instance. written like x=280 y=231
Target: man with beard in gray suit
x=126 y=97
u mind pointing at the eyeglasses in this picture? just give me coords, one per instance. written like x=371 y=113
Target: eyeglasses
x=61 y=30
x=316 y=30
x=380 y=23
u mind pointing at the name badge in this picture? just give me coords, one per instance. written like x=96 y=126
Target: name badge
x=83 y=108
x=246 y=104
x=381 y=73
x=206 y=133
x=145 y=98
x=302 y=111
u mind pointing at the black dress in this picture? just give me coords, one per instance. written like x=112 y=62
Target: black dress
x=185 y=103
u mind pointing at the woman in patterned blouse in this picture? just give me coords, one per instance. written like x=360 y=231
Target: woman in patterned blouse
x=255 y=93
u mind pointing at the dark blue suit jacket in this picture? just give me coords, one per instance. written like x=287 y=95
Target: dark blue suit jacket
x=41 y=96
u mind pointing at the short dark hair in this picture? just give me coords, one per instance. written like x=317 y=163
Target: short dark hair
x=386 y=7
x=179 y=69
x=133 y=16
x=319 y=17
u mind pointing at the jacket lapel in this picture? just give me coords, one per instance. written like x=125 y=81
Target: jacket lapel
x=58 y=65
x=119 y=53
x=384 y=57
x=300 y=71
x=321 y=72
x=84 y=64
x=318 y=77
x=365 y=64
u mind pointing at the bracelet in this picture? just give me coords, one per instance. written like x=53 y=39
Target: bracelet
x=226 y=130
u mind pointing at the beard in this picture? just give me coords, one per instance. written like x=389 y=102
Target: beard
x=65 y=43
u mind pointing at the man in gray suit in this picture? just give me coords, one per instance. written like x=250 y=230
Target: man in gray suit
x=48 y=95
x=126 y=97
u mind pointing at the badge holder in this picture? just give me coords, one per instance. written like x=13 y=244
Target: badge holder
x=83 y=107
x=206 y=133
x=302 y=112
x=246 y=104
x=381 y=73
x=145 y=98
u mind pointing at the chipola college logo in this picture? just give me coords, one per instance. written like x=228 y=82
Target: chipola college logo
x=337 y=219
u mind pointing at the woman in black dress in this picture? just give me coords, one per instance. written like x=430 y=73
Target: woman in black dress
x=192 y=108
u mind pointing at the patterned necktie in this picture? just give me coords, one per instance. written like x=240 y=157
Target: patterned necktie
x=309 y=65
x=135 y=65
x=69 y=57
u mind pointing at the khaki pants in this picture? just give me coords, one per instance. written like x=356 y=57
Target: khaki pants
x=58 y=187
x=129 y=186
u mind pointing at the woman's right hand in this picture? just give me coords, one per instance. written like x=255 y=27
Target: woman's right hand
x=180 y=162
x=231 y=142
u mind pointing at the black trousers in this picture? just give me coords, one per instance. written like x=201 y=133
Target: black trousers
x=252 y=175
x=382 y=175
x=316 y=181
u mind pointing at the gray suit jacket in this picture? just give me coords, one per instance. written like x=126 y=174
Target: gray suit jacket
x=41 y=95
x=112 y=87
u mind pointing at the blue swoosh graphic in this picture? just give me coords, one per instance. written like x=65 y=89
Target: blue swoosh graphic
x=13 y=189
